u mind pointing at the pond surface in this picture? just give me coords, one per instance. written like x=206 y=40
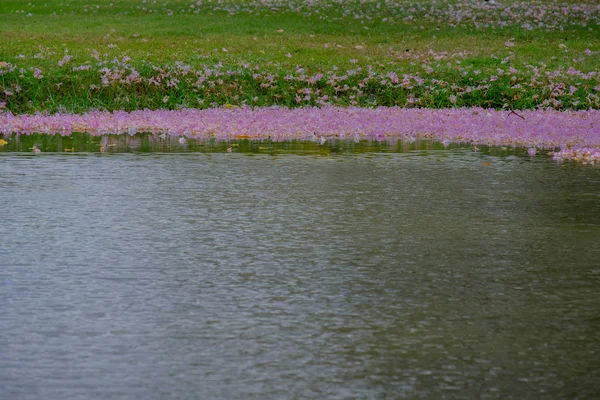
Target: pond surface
x=430 y=274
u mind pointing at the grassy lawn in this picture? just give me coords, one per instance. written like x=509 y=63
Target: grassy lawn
x=61 y=55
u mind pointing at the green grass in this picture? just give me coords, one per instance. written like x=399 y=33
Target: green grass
x=320 y=40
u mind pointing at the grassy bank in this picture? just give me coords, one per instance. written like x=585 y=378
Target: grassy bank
x=75 y=56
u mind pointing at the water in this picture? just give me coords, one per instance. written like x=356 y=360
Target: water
x=430 y=274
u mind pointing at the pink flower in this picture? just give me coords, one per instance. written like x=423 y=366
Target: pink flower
x=531 y=151
x=64 y=60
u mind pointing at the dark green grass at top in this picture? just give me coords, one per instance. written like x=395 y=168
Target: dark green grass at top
x=179 y=36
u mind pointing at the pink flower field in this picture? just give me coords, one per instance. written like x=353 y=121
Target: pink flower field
x=498 y=73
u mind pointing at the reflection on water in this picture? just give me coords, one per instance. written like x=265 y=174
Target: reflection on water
x=427 y=274
x=163 y=143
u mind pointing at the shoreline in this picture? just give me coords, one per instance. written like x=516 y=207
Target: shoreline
x=569 y=131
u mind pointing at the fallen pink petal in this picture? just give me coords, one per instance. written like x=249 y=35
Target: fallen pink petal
x=541 y=129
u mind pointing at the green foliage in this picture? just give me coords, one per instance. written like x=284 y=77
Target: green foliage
x=293 y=42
